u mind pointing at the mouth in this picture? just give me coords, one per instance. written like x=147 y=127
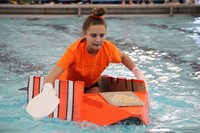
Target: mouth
x=97 y=45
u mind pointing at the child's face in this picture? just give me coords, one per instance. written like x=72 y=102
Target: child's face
x=95 y=35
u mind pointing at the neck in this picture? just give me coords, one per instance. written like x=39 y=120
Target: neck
x=92 y=52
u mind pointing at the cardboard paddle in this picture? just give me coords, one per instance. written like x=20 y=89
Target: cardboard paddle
x=44 y=103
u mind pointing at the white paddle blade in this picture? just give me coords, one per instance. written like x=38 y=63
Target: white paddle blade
x=44 y=103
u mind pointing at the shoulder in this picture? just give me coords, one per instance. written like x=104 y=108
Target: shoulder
x=109 y=45
x=112 y=51
x=76 y=45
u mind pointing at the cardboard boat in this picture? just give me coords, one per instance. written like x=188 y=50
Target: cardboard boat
x=120 y=99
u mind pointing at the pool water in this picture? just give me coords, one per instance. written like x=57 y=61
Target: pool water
x=167 y=49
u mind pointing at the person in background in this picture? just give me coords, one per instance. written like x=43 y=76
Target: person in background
x=89 y=56
x=83 y=2
x=124 y=2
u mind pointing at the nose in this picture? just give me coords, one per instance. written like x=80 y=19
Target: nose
x=98 y=38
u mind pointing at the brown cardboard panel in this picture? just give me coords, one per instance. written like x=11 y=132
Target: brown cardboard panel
x=112 y=84
x=122 y=98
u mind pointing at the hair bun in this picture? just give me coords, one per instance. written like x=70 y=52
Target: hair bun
x=98 y=11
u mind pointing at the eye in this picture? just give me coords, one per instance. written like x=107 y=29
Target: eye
x=93 y=35
x=102 y=35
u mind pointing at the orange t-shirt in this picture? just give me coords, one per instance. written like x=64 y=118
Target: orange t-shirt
x=79 y=65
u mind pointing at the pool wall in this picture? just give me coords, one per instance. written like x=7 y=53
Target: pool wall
x=112 y=9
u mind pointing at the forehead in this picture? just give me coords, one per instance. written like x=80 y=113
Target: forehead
x=97 y=29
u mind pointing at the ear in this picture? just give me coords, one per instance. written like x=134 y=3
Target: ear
x=84 y=33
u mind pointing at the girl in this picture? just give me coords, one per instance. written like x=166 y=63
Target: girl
x=89 y=56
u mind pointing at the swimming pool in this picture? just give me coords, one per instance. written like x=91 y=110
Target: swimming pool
x=167 y=49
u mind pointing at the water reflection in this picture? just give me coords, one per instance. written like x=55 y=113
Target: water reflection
x=155 y=54
x=11 y=59
x=184 y=30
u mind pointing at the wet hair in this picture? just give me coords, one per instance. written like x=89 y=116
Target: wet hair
x=95 y=18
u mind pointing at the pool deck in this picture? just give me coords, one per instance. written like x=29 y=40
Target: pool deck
x=112 y=9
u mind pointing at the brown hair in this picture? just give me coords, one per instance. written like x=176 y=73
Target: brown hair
x=95 y=18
